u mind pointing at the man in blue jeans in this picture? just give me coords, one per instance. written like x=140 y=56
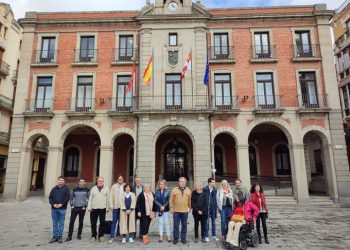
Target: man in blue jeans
x=180 y=205
x=211 y=192
x=58 y=198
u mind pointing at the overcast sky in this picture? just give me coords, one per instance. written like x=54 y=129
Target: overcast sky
x=19 y=7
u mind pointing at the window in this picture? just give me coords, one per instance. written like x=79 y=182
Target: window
x=266 y=98
x=346 y=101
x=221 y=46
x=303 y=44
x=43 y=99
x=262 y=45
x=173 y=39
x=223 y=98
x=87 y=49
x=84 y=94
x=71 y=165
x=308 y=89
x=47 y=53
x=3 y=161
x=126 y=48
x=173 y=99
x=282 y=160
x=124 y=100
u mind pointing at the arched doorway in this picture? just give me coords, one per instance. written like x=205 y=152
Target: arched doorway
x=80 y=155
x=123 y=163
x=269 y=159
x=317 y=164
x=38 y=162
x=225 y=156
x=174 y=157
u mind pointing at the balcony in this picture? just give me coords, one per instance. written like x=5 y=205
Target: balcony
x=39 y=108
x=14 y=77
x=124 y=56
x=6 y=103
x=45 y=58
x=4 y=138
x=4 y=69
x=313 y=103
x=308 y=52
x=226 y=104
x=121 y=105
x=268 y=104
x=80 y=107
x=264 y=54
x=221 y=54
x=85 y=57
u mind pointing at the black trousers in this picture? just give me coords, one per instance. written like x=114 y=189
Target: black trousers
x=144 y=225
x=262 y=217
x=94 y=215
x=74 y=213
x=199 y=219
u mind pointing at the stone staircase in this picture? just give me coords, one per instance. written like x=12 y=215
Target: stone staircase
x=322 y=201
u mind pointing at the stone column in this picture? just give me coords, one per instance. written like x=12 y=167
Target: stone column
x=53 y=168
x=300 y=184
x=24 y=175
x=106 y=164
x=243 y=164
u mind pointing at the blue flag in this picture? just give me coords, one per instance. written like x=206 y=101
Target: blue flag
x=206 y=76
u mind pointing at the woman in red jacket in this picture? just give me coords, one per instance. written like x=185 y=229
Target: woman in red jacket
x=257 y=196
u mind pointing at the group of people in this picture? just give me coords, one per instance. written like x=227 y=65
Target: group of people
x=129 y=204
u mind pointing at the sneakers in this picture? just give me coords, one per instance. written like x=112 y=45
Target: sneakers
x=216 y=238
x=68 y=239
x=207 y=239
x=131 y=240
x=123 y=240
x=101 y=239
x=53 y=240
x=146 y=240
x=110 y=241
x=93 y=239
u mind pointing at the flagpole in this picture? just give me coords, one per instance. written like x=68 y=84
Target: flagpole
x=191 y=74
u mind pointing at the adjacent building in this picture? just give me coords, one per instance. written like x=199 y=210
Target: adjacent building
x=270 y=111
x=10 y=42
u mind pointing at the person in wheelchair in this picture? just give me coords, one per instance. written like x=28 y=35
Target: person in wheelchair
x=243 y=215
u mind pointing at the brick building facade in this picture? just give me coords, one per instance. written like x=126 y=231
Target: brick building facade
x=270 y=112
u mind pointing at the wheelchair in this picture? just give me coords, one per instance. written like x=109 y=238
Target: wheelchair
x=247 y=237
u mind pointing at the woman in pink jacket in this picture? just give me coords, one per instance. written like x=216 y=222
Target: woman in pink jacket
x=243 y=212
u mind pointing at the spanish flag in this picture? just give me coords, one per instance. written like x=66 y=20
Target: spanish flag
x=147 y=75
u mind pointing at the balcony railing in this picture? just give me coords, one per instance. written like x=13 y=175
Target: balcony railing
x=184 y=102
x=39 y=105
x=80 y=105
x=4 y=69
x=4 y=137
x=45 y=56
x=121 y=104
x=6 y=102
x=306 y=51
x=86 y=55
x=268 y=102
x=226 y=102
x=124 y=54
x=221 y=53
x=313 y=101
x=264 y=52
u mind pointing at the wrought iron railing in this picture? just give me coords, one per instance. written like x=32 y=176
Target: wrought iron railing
x=45 y=56
x=39 y=105
x=306 y=51
x=221 y=53
x=6 y=102
x=268 y=102
x=80 y=105
x=86 y=55
x=4 y=68
x=264 y=52
x=313 y=101
x=124 y=54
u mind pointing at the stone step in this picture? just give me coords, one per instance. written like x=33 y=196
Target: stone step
x=280 y=200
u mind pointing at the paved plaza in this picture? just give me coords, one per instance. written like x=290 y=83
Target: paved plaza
x=27 y=225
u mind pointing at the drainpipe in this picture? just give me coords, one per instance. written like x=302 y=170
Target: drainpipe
x=211 y=148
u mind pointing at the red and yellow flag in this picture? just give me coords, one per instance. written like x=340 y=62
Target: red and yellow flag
x=147 y=75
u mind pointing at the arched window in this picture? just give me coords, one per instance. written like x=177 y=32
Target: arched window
x=71 y=165
x=282 y=160
x=219 y=160
x=253 y=163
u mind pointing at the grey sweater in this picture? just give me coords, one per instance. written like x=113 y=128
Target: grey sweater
x=80 y=197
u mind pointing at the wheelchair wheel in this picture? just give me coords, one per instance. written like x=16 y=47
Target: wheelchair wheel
x=243 y=244
x=254 y=240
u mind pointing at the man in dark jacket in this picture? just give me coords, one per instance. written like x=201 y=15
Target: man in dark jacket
x=78 y=202
x=211 y=192
x=59 y=198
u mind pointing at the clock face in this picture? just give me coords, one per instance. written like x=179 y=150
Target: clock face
x=173 y=6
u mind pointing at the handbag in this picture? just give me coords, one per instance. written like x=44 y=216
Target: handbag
x=237 y=218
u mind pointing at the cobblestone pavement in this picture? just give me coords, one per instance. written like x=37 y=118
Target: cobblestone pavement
x=27 y=225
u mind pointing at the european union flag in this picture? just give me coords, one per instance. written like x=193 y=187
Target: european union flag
x=206 y=76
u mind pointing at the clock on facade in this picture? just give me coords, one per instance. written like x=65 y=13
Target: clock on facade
x=173 y=6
